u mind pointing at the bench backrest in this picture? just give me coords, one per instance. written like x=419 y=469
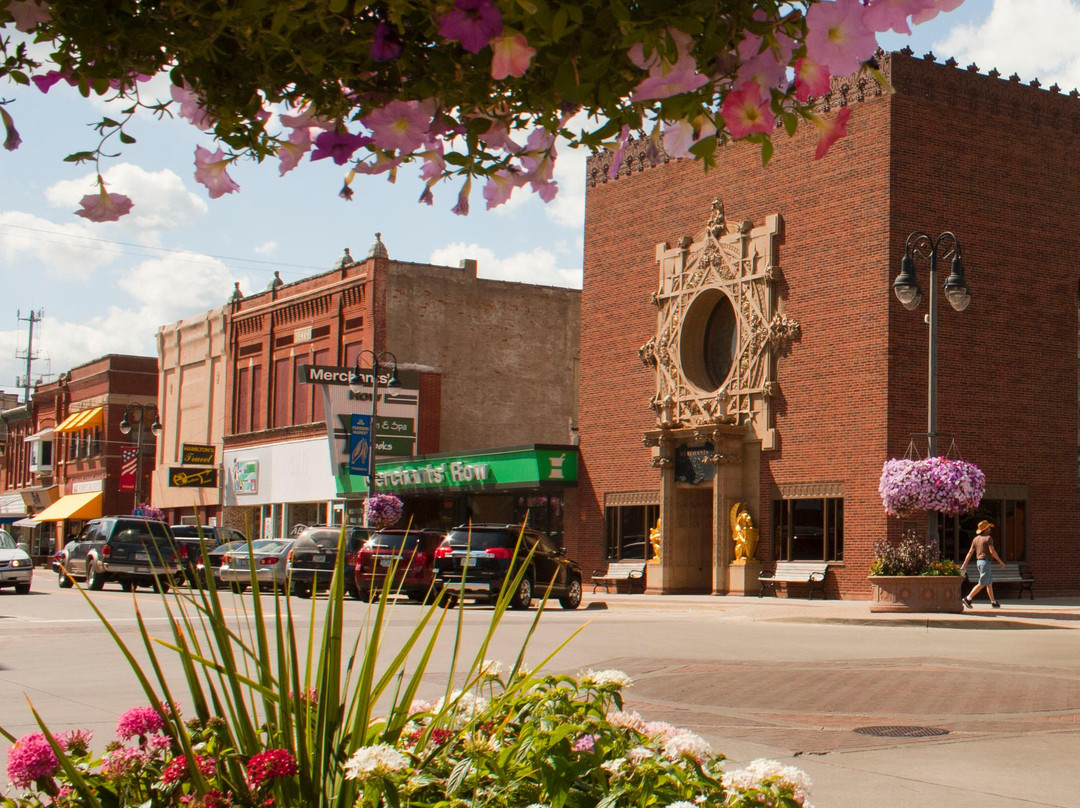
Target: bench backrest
x=622 y=569
x=1010 y=572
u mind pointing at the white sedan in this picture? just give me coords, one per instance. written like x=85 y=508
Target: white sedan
x=16 y=566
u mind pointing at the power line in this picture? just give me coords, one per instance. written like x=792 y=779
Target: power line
x=59 y=238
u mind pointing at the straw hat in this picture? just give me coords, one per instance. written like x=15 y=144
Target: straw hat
x=984 y=526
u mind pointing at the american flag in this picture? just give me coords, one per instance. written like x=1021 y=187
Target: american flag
x=129 y=461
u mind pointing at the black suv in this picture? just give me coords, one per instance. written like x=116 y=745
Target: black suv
x=128 y=549
x=312 y=560
x=477 y=561
x=189 y=551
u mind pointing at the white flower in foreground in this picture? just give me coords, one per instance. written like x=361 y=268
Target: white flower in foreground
x=627 y=719
x=639 y=754
x=369 y=762
x=659 y=730
x=491 y=668
x=613 y=767
x=610 y=679
x=682 y=804
x=687 y=744
x=764 y=772
x=465 y=704
x=420 y=706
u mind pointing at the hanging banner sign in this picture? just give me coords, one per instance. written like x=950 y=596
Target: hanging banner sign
x=193 y=478
x=360 y=449
x=195 y=454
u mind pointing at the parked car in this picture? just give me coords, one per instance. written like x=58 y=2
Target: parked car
x=132 y=550
x=217 y=558
x=189 y=551
x=16 y=566
x=413 y=553
x=312 y=560
x=478 y=561
x=271 y=558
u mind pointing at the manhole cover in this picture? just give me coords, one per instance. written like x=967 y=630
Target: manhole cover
x=902 y=732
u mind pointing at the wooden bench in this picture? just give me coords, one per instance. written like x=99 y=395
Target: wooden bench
x=632 y=572
x=811 y=573
x=1014 y=572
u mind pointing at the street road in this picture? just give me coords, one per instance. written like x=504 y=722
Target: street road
x=987 y=704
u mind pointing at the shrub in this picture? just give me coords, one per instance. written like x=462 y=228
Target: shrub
x=912 y=556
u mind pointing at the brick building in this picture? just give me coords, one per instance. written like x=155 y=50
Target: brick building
x=486 y=376
x=741 y=342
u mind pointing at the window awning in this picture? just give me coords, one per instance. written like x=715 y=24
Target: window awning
x=40 y=434
x=73 y=506
x=26 y=522
x=84 y=419
x=12 y=505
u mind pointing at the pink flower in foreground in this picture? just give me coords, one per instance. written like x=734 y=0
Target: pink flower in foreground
x=499 y=187
x=811 y=79
x=119 y=763
x=927 y=14
x=31 y=758
x=12 y=141
x=837 y=36
x=76 y=741
x=462 y=206
x=45 y=81
x=666 y=78
x=832 y=129
x=511 y=56
x=747 y=111
x=681 y=136
x=177 y=768
x=104 y=207
x=886 y=15
x=620 y=152
x=400 y=125
x=140 y=721
x=28 y=13
x=472 y=23
x=339 y=146
x=305 y=120
x=191 y=107
x=210 y=171
x=291 y=151
x=387 y=45
x=270 y=765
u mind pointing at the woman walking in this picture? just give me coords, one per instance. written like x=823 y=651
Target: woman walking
x=982 y=547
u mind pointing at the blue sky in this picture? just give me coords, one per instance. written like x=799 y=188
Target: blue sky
x=105 y=288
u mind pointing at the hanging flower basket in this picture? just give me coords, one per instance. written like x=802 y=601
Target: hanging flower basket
x=935 y=484
x=382 y=510
x=146 y=511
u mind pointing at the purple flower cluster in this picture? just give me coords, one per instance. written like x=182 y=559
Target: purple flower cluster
x=935 y=484
x=383 y=510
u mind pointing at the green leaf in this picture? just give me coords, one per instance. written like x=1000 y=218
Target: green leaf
x=79 y=157
x=766 y=151
x=338 y=6
x=125 y=137
x=109 y=122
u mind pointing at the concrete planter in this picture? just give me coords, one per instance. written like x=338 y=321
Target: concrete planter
x=916 y=593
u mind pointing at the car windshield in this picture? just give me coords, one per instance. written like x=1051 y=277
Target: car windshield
x=269 y=546
x=6 y=542
x=221 y=549
x=393 y=541
x=191 y=531
x=481 y=539
x=326 y=538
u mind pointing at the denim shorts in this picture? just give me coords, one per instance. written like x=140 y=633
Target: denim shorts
x=984 y=571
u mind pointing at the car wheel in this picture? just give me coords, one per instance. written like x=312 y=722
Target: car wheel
x=22 y=589
x=161 y=585
x=448 y=601
x=357 y=594
x=239 y=588
x=128 y=586
x=572 y=598
x=65 y=581
x=522 y=599
x=301 y=590
x=95 y=579
x=419 y=596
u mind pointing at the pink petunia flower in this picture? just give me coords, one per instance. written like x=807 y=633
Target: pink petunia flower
x=928 y=14
x=886 y=15
x=500 y=186
x=668 y=78
x=28 y=14
x=191 y=107
x=386 y=45
x=511 y=56
x=620 y=152
x=837 y=36
x=12 y=141
x=45 y=81
x=30 y=759
x=811 y=79
x=400 y=125
x=270 y=765
x=104 y=207
x=473 y=23
x=747 y=111
x=291 y=151
x=305 y=120
x=339 y=146
x=832 y=129
x=681 y=136
x=462 y=206
x=210 y=171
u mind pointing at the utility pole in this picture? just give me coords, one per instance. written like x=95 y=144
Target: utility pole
x=29 y=355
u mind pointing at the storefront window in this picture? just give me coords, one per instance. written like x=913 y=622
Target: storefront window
x=627 y=528
x=808 y=529
x=544 y=513
x=1010 y=529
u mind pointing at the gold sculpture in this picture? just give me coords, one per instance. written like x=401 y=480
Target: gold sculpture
x=654 y=538
x=743 y=532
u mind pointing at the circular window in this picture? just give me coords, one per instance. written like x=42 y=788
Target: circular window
x=708 y=342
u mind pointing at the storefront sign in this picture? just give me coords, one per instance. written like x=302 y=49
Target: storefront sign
x=195 y=454
x=521 y=467
x=88 y=486
x=192 y=478
x=692 y=465
x=360 y=454
x=245 y=476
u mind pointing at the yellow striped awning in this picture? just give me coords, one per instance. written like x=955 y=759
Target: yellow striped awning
x=73 y=506
x=84 y=419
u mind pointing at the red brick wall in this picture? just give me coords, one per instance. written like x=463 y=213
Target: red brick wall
x=853 y=388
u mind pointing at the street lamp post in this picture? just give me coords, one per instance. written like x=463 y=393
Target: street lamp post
x=958 y=294
x=136 y=416
x=356 y=385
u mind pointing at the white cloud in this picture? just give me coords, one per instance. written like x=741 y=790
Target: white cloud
x=538 y=266
x=568 y=208
x=66 y=250
x=269 y=248
x=161 y=200
x=1033 y=38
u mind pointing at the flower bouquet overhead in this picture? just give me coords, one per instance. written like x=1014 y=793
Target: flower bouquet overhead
x=934 y=484
x=382 y=510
